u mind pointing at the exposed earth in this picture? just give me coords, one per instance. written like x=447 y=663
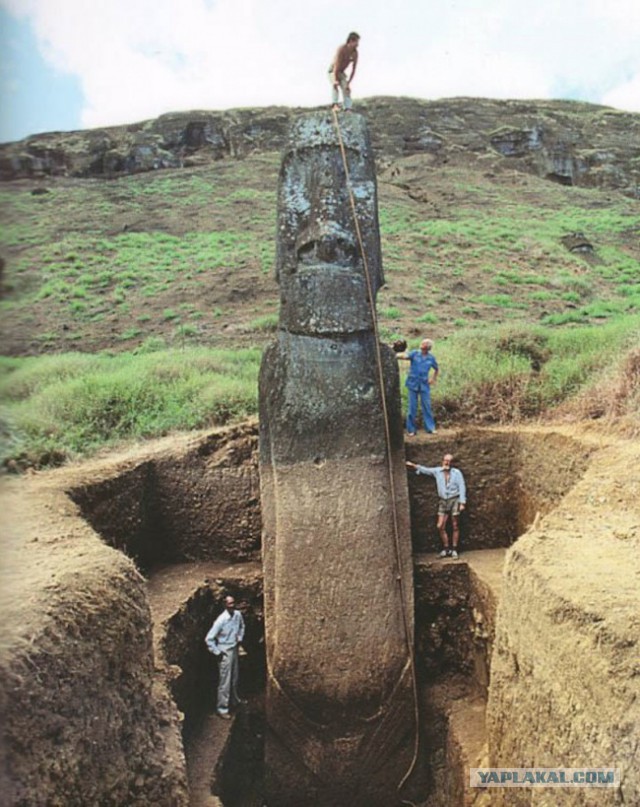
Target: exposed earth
x=84 y=673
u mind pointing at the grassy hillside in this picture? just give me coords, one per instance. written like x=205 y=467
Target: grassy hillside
x=182 y=259
x=187 y=255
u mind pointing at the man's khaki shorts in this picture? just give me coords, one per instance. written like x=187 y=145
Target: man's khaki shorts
x=449 y=506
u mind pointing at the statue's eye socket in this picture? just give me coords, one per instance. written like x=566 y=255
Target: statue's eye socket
x=307 y=252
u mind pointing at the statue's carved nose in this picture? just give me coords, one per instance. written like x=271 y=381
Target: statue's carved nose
x=336 y=247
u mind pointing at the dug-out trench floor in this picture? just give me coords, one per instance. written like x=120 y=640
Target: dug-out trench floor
x=114 y=570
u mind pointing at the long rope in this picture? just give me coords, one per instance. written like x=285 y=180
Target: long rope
x=394 y=506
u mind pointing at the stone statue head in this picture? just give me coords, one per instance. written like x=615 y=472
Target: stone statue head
x=319 y=261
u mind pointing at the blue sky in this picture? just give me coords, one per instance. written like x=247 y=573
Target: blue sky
x=34 y=97
x=72 y=64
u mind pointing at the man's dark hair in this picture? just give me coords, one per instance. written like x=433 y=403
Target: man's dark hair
x=352 y=36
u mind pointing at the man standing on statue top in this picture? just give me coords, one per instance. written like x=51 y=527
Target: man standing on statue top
x=346 y=55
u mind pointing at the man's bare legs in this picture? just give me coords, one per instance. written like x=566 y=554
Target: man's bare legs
x=343 y=86
x=455 y=533
x=442 y=529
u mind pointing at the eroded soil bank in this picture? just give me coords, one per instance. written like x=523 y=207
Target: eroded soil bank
x=93 y=694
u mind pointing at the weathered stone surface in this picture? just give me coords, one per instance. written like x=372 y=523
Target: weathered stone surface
x=423 y=140
x=517 y=142
x=340 y=703
x=577 y=242
x=317 y=248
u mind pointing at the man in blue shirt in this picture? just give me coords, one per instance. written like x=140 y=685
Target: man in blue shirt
x=452 y=500
x=223 y=639
x=419 y=383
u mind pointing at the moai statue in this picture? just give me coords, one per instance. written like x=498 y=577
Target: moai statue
x=336 y=537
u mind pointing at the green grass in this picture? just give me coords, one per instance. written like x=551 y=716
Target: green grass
x=520 y=244
x=85 y=265
x=175 y=248
x=69 y=405
x=72 y=404
x=429 y=318
x=266 y=323
x=186 y=331
x=566 y=360
x=166 y=237
x=130 y=333
x=500 y=301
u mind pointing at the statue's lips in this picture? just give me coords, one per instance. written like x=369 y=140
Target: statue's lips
x=320 y=268
x=325 y=298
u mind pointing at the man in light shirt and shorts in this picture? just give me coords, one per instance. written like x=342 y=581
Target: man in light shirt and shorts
x=452 y=500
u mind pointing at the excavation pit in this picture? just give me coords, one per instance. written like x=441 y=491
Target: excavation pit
x=455 y=616
x=105 y=677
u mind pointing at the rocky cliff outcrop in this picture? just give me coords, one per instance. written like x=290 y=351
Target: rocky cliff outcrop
x=567 y=142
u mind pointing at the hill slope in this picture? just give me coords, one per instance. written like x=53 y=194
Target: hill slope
x=490 y=212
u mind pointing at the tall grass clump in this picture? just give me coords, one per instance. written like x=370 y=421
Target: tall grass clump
x=60 y=407
x=506 y=373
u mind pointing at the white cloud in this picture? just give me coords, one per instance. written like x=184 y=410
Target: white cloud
x=625 y=96
x=139 y=58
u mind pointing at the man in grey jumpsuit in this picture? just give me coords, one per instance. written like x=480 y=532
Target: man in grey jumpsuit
x=223 y=639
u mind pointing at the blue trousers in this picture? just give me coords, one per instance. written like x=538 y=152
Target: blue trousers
x=425 y=402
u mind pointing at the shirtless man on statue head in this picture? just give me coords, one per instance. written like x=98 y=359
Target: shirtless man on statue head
x=346 y=55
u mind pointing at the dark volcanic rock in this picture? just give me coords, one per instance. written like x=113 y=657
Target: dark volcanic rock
x=425 y=140
x=517 y=142
x=577 y=242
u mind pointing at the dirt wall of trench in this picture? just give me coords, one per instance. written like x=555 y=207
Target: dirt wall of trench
x=510 y=477
x=199 y=500
x=84 y=720
x=87 y=723
x=565 y=675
